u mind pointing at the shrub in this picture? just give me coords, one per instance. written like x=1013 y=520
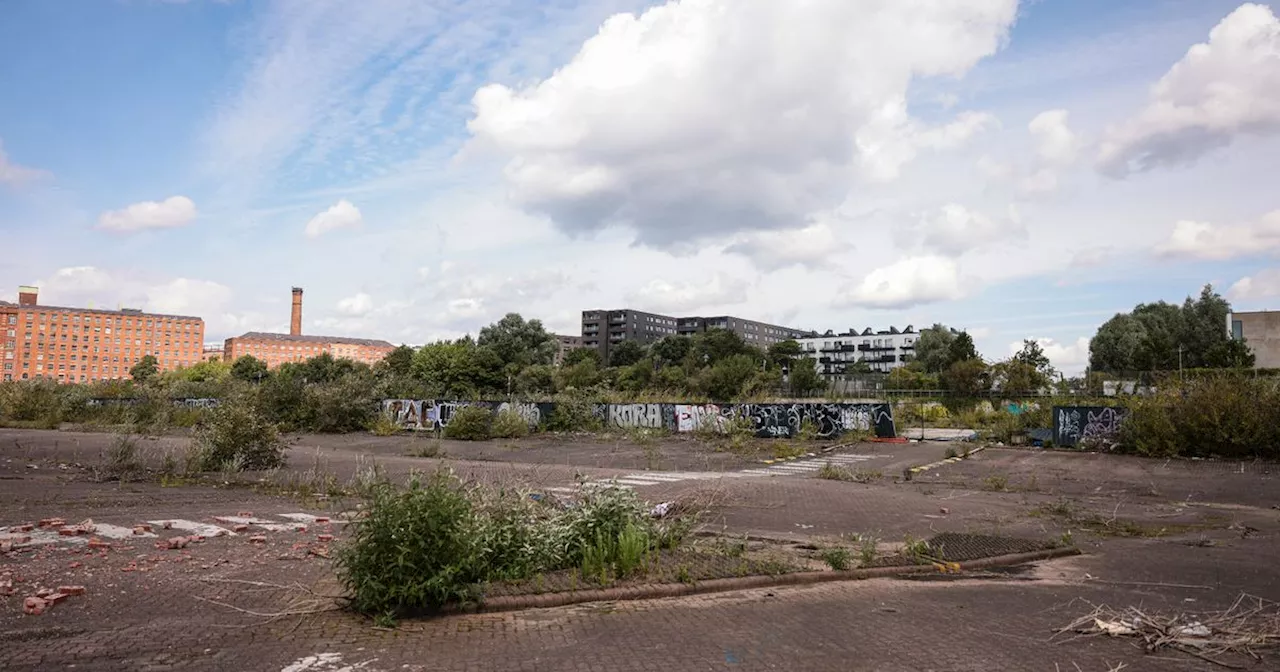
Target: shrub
x=235 y=433
x=384 y=425
x=469 y=423
x=1224 y=415
x=574 y=413
x=508 y=424
x=347 y=405
x=417 y=549
x=837 y=558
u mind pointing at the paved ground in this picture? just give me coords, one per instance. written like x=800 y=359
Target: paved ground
x=1176 y=535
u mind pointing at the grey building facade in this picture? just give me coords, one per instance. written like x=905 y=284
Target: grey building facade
x=605 y=329
x=1260 y=330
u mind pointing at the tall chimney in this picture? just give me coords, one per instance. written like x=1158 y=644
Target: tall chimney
x=295 y=320
x=27 y=295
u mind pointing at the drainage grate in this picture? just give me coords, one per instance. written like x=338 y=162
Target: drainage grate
x=954 y=547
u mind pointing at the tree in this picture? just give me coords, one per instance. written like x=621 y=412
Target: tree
x=671 y=349
x=961 y=349
x=967 y=377
x=249 y=369
x=399 y=361
x=518 y=342
x=580 y=376
x=726 y=379
x=715 y=345
x=210 y=370
x=626 y=353
x=578 y=355
x=1016 y=377
x=906 y=378
x=783 y=353
x=1163 y=336
x=805 y=379
x=536 y=379
x=1114 y=346
x=145 y=369
x=933 y=348
x=459 y=369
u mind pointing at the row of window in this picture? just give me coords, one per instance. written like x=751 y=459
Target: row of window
x=127 y=322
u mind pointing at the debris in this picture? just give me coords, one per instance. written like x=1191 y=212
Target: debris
x=322 y=519
x=141 y=529
x=258 y=540
x=33 y=606
x=661 y=509
x=177 y=542
x=98 y=543
x=944 y=510
x=324 y=537
x=245 y=514
x=71 y=590
x=26 y=528
x=75 y=565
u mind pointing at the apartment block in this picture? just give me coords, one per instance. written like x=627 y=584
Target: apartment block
x=605 y=329
x=760 y=334
x=80 y=345
x=1260 y=330
x=564 y=344
x=276 y=349
x=882 y=351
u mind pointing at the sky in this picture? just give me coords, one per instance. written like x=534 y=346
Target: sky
x=1021 y=170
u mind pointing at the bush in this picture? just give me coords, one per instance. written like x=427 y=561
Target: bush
x=469 y=423
x=1225 y=415
x=347 y=405
x=508 y=424
x=837 y=558
x=417 y=549
x=236 y=434
x=574 y=413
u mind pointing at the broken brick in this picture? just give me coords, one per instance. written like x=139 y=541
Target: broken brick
x=75 y=565
x=98 y=543
x=324 y=537
x=71 y=590
x=33 y=606
x=52 y=522
x=322 y=519
x=55 y=598
x=240 y=528
x=177 y=542
x=259 y=539
x=26 y=528
x=68 y=532
x=245 y=514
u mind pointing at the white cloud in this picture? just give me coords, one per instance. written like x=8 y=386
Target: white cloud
x=1202 y=240
x=698 y=117
x=954 y=229
x=184 y=296
x=356 y=306
x=171 y=212
x=342 y=215
x=666 y=297
x=1070 y=359
x=910 y=282
x=1220 y=89
x=1055 y=142
x=811 y=246
x=12 y=173
x=1091 y=256
x=1265 y=284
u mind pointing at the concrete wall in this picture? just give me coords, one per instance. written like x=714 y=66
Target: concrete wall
x=1261 y=331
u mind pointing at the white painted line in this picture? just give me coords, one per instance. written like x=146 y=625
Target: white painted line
x=202 y=529
x=760 y=472
x=665 y=476
x=312 y=520
x=635 y=481
x=268 y=525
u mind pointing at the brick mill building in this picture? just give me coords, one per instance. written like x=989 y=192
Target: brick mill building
x=276 y=349
x=80 y=345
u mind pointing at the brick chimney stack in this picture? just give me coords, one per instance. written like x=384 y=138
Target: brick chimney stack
x=295 y=321
x=27 y=295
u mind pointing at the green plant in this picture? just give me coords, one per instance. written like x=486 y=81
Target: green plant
x=508 y=424
x=469 y=423
x=574 y=413
x=785 y=450
x=683 y=575
x=122 y=460
x=867 y=551
x=836 y=557
x=384 y=425
x=808 y=431
x=996 y=483
x=831 y=472
x=632 y=550
x=951 y=452
x=915 y=549
x=234 y=433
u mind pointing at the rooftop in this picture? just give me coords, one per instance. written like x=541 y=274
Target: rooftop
x=99 y=311
x=289 y=338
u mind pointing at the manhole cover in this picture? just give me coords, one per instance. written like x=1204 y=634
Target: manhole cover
x=953 y=547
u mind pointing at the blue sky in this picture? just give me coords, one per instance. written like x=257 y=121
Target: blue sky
x=1022 y=170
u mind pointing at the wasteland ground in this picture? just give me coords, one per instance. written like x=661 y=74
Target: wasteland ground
x=1185 y=536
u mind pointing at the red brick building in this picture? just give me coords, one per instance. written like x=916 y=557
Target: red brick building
x=276 y=349
x=80 y=345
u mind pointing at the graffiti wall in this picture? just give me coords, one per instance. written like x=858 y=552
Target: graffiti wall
x=134 y=401
x=765 y=420
x=1075 y=425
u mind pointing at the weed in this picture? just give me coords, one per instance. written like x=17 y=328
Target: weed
x=426 y=448
x=996 y=483
x=508 y=424
x=632 y=549
x=469 y=423
x=785 y=450
x=951 y=452
x=384 y=425
x=867 y=551
x=915 y=549
x=836 y=557
x=834 y=473
x=683 y=575
x=808 y=431
x=1066 y=540
x=122 y=459
x=1033 y=484
x=236 y=434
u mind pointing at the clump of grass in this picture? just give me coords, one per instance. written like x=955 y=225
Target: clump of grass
x=867 y=551
x=836 y=557
x=951 y=452
x=996 y=483
x=469 y=423
x=384 y=425
x=508 y=424
x=784 y=450
x=915 y=549
x=833 y=473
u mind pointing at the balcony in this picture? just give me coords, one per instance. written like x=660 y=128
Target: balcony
x=864 y=347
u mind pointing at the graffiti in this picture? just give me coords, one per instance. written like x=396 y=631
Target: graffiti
x=1075 y=425
x=766 y=420
x=626 y=416
x=134 y=401
x=196 y=403
x=530 y=412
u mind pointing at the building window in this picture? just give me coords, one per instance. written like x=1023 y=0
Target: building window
x=1237 y=330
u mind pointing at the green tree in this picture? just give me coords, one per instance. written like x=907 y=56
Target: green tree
x=726 y=380
x=536 y=379
x=626 y=353
x=716 y=345
x=249 y=369
x=933 y=348
x=1114 y=347
x=459 y=369
x=967 y=377
x=399 y=362
x=577 y=355
x=783 y=353
x=325 y=368
x=1017 y=377
x=961 y=349
x=805 y=379
x=671 y=349
x=518 y=342
x=907 y=378
x=579 y=376
x=207 y=371
x=145 y=370
x=1163 y=336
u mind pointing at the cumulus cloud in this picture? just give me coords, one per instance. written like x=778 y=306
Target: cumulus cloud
x=1092 y=256
x=342 y=215
x=1202 y=240
x=184 y=296
x=171 y=212
x=1068 y=358
x=668 y=297
x=1055 y=142
x=12 y=173
x=954 y=229
x=771 y=250
x=910 y=282
x=1265 y=284
x=1221 y=89
x=356 y=306
x=699 y=118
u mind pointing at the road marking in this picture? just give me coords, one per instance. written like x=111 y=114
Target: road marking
x=268 y=525
x=202 y=529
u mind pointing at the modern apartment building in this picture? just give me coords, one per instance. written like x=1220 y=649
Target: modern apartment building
x=80 y=345
x=276 y=349
x=564 y=344
x=1260 y=330
x=881 y=351
x=604 y=329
